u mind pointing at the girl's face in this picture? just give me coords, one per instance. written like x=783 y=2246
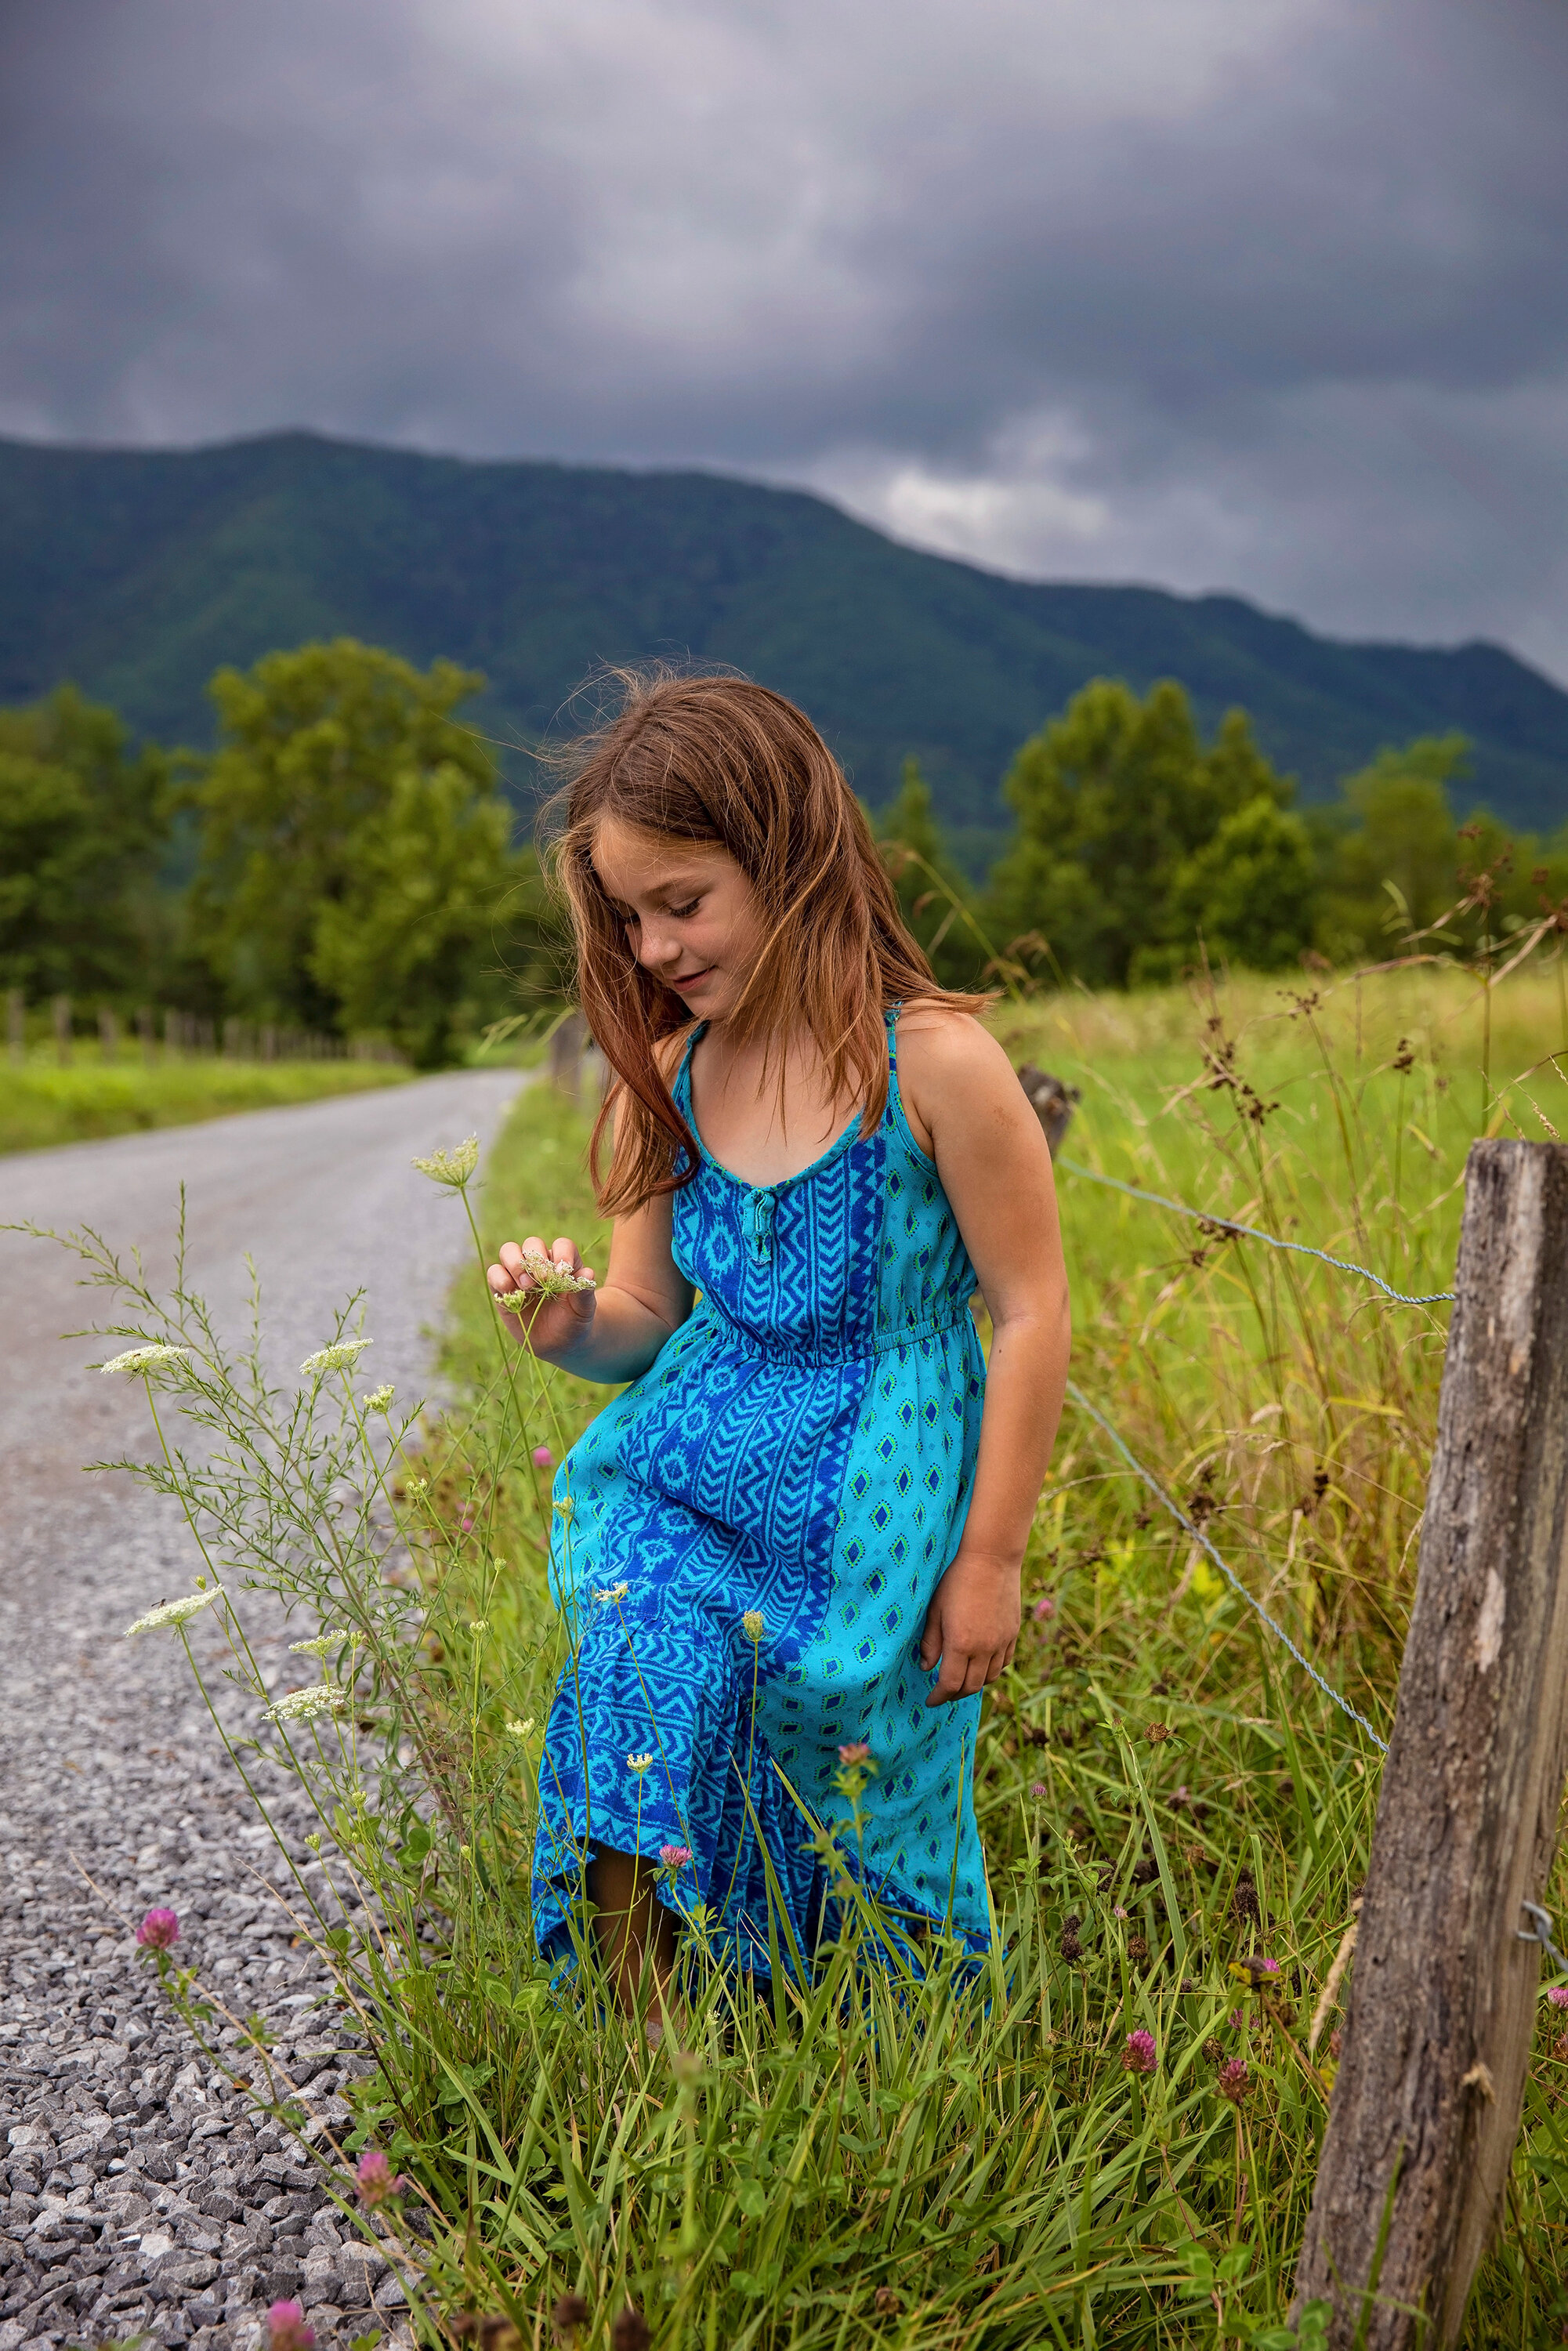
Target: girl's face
x=691 y=914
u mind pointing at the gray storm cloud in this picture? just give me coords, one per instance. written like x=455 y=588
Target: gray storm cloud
x=1265 y=298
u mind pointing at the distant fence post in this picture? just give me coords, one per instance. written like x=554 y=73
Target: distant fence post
x=566 y=1040
x=147 y=1031
x=108 y=1032
x=1052 y=1102
x=62 y=1015
x=1441 y=2013
x=16 y=1024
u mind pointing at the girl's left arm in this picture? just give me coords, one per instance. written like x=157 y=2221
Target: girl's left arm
x=964 y=1105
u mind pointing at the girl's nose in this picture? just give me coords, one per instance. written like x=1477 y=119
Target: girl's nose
x=656 y=948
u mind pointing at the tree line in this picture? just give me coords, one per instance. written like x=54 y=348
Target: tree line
x=345 y=862
x=1139 y=849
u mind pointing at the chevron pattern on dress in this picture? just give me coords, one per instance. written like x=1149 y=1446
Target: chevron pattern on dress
x=802 y=1452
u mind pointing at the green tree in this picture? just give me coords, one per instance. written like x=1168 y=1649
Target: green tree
x=931 y=892
x=356 y=863
x=1389 y=852
x=83 y=827
x=1250 y=891
x=1112 y=798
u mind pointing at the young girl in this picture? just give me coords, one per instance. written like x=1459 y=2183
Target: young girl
x=790 y=1549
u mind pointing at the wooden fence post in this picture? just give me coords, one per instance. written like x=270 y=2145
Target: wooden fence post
x=16 y=1024
x=62 y=1017
x=1052 y=1102
x=1442 y=2007
x=566 y=1040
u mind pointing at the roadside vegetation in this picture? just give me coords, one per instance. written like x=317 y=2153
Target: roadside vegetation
x=1109 y=2137
x=42 y=1104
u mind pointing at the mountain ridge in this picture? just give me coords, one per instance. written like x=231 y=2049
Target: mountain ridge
x=136 y=573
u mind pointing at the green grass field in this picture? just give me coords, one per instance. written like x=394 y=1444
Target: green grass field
x=43 y=1104
x=1164 y=1794
x=1109 y=2137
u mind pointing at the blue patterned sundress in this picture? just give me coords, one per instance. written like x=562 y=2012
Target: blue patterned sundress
x=801 y=1451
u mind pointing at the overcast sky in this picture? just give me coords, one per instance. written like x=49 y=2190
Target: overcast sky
x=1269 y=295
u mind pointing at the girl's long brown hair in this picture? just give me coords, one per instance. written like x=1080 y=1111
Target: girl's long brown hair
x=719 y=760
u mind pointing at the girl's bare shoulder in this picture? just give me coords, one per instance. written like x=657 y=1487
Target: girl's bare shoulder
x=950 y=1067
x=943 y=1041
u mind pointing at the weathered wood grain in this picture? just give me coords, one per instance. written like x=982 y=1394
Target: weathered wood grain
x=1442 y=2004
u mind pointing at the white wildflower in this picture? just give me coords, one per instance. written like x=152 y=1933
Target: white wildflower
x=172 y=1612
x=340 y=1356
x=611 y=1592
x=638 y=1763
x=478 y=1624
x=379 y=1399
x=304 y=1705
x=146 y=1359
x=752 y=1624
x=453 y=1168
x=315 y=1649
x=547 y=1279
x=520 y=1729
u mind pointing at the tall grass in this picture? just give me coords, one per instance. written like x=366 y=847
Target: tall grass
x=1110 y=2137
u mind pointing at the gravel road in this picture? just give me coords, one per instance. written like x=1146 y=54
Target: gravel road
x=139 y=2199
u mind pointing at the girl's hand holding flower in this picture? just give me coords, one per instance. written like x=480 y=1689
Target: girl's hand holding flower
x=547 y=1295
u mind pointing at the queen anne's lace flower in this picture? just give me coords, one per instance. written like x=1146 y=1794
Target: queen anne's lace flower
x=453 y=1168
x=638 y=1763
x=340 y=1356
x=304 y=1705
x=146 y=1359
x=315 y=1649
x=752 y=1624
x=520 y=1729
x=549 y=1280
x=378 y=1399
x=173 y=1611
x=609 y=1593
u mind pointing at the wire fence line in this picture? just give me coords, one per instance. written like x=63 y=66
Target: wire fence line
x=1196 y=1532
x=1227 y=1227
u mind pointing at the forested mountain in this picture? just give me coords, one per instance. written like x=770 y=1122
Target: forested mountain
x=137 y=574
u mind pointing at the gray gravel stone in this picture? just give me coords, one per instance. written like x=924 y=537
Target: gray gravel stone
x=138 y=2193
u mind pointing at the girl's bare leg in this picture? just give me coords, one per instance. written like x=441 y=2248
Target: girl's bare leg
x=633 y=1927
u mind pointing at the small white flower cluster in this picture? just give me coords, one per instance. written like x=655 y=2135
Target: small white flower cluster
x=638 y=1763
x=520 y=1729
x=150 y=1358
x=173 y=1611
x=753 y=1624
x=340 y=1356
x=304 y=1705
x=610 y=1593
x=547 y=1280
x=452 y=1168
x=378 y=1400
x=315 y=1649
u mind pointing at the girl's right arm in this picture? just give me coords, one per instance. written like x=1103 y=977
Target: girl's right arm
x=612 y=1332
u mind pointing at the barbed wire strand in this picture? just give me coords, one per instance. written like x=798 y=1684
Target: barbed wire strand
x=1226 y=1226
x=1180 y=1516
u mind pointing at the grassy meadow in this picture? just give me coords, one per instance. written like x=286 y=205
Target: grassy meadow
x=1109 y=2137
x=1164 y=1794
x=44 y=1102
